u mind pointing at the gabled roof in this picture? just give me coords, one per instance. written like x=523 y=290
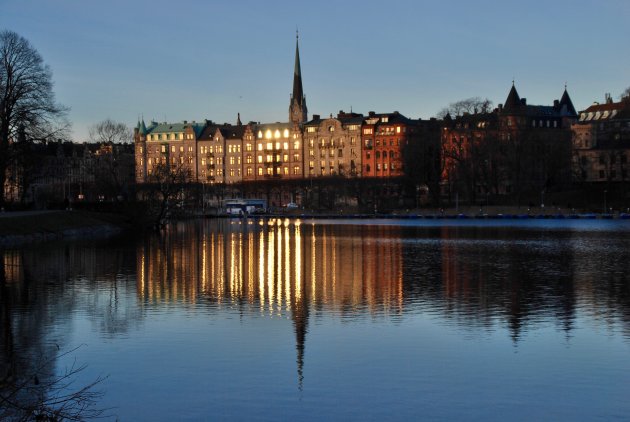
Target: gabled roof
x=232 y=132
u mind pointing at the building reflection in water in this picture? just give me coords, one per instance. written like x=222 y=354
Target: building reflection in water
x=475 y=278
x=276 y=267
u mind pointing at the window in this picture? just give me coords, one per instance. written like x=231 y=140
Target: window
x=260 y=171
x=248 y=147
x=296 y=170
x=172 y=148
x=296 y=157
x=248 y=159
x=602 y=174
x=296 y=145
x=249 y=171
x=310 y=129
x=163 y=148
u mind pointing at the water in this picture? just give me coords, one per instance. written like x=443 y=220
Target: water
x=343 y=320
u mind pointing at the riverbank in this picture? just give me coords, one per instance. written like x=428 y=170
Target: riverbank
x=36 y=226
x=494 y=212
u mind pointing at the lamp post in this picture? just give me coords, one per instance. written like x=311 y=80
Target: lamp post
x=542 y=198
x=605 y=194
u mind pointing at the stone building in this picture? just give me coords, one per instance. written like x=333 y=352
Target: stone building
x=601 y=142
x=172 y=144
x=332 y=146
x=515 y=149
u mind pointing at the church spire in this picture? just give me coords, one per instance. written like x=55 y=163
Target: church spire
x=297 y=108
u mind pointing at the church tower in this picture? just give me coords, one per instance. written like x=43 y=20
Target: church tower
x=298 y=112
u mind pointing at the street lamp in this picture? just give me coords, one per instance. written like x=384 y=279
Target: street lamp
x=542 y=198
x=605 y=193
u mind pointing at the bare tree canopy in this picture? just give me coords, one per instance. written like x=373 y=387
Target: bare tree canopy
x=625 y=95
x=109 y=131
x=27 y=101
x=469 y=105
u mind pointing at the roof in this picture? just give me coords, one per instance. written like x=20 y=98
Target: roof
x=175 y=127
x=513 y=101
x=232 y=132
x=566 y=101
x=607 y=111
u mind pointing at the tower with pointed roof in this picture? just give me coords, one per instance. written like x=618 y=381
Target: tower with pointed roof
x=298 y=113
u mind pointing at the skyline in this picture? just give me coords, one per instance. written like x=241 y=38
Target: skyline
x=413 y=57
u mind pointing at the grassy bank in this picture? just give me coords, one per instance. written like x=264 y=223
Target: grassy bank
x=47 y=224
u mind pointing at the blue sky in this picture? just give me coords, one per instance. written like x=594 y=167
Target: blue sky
x=194 y=60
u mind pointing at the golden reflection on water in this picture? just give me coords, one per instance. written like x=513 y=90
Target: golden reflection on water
x=274 y=266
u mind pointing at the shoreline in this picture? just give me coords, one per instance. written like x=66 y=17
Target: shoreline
x=19 y=228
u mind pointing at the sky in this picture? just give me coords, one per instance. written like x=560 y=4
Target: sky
x=194 y=60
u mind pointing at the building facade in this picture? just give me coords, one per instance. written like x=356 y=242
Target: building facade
x=332 y=146
x=601 y=143
x=513 y=149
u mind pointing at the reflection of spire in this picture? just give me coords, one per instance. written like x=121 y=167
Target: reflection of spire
x=299 y=310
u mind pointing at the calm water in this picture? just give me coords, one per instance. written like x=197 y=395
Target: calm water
x=345 y=320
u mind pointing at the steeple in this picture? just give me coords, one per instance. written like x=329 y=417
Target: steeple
x=238 y=120
x=513 y=101
x=297 y=108
x=566 y=101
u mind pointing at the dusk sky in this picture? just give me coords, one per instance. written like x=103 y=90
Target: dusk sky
x=195 y=60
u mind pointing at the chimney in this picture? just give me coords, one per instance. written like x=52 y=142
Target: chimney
x=524 y=101
x=371 y=113
x=556 y=103
x=316 y=116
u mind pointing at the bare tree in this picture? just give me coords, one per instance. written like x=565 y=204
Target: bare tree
x=26 y=98
x=625 y=95
x=41 y=396
x=110 y=132
x=471 y=105
x=166 y=184
x=111 y=161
